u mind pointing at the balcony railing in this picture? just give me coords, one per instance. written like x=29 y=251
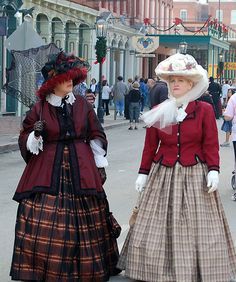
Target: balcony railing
x=212 y=28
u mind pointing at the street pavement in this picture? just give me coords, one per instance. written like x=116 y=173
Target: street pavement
x=124 y=155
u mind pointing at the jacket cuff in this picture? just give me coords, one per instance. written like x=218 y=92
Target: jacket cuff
x=144 y=171
x=214 y=167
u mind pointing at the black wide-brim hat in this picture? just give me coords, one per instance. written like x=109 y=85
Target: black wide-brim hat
x=62 y=67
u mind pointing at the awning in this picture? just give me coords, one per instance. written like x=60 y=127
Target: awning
x=194 y=41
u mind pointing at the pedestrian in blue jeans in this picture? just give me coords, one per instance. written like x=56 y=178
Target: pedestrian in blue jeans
x=134 y=105
x=144 y=93
x=120 y=89
x=227 y=124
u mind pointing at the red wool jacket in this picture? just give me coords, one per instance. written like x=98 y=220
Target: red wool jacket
x=192 y=140
x=42 y=171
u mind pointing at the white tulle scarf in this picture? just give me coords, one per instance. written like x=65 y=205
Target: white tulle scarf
x=172 y=110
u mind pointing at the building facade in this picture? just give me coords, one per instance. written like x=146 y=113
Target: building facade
x=225 y=12
x=71 y=26
x=127 y=20
x=216 y=49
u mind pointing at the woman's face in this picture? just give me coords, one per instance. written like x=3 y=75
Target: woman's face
x=63 y=88
x=230 y=93
x=179 y=85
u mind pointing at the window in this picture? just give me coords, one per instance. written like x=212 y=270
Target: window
x=219 y=13
x=233 y=17
x=85 y=53
x=183 y=15
x=58 y=43
x=72 y=47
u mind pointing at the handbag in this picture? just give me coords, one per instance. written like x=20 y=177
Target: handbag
x=135 y=211
x=113 y=225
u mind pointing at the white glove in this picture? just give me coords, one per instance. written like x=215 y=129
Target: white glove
x=98 y=153
x=212 y=180
x=34 y=144
x=140 y=183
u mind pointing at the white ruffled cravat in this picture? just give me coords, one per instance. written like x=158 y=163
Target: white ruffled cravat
x=56 y=101
x=181 y=114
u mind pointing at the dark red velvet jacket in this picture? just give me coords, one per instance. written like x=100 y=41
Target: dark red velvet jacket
x=193 y=140
x=42 y=171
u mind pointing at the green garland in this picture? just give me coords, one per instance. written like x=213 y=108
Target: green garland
x=101 y=49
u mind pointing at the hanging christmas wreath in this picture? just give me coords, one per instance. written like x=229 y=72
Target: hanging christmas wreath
x=101 y=49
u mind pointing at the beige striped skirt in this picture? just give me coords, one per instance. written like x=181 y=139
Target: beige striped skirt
x=181 y=233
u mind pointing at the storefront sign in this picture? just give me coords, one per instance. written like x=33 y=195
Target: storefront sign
x=212 y=70
x=145 y=44
x=230 y=66
x=145 y=55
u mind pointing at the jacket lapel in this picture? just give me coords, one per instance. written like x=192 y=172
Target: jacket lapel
x=191 y=110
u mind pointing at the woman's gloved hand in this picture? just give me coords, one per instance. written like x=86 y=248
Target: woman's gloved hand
x=102 y=174
x=212 y=180
x=140 y=183
x=39 y=127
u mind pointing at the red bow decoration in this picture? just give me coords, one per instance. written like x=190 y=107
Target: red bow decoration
x=103 y=60
x=147 y=21
x=210 y=23
x=177 y=21
x=225 y=29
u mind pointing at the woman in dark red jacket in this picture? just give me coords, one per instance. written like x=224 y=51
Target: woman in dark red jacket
x=181 y=233
x=63 y=224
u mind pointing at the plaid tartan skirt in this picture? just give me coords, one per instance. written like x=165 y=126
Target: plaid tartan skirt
x=181 y=233
x=64 y=237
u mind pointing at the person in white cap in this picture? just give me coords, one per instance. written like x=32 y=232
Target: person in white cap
x=181 y=232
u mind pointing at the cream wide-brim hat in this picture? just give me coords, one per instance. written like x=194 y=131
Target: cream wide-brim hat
x=165 y=114
x=186 y=66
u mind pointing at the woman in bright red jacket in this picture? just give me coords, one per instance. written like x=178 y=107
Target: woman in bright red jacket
x=181 y=232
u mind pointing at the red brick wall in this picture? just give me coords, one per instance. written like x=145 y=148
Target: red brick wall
x=193 y=10
x=138 y=9
x=89 y=3
x=226 y=7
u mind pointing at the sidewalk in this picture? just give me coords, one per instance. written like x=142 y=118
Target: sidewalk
x=10 y=128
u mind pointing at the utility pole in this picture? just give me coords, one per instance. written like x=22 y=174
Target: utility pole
x=219 y=12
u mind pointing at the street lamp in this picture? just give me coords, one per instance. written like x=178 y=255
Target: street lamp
x=101 y=33
x=221 y=56
x=221 y=65
x=183 y=47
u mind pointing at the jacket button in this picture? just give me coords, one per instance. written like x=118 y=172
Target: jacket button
x=178 y=134
x=177 y=156
x=178 y=144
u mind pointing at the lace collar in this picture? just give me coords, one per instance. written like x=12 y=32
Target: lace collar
x=56 y=101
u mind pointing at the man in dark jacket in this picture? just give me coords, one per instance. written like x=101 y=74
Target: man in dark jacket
x=158 y=93
x=215 y=91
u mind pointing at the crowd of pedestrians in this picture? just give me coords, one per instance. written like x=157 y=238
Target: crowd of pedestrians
x=128 y=99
